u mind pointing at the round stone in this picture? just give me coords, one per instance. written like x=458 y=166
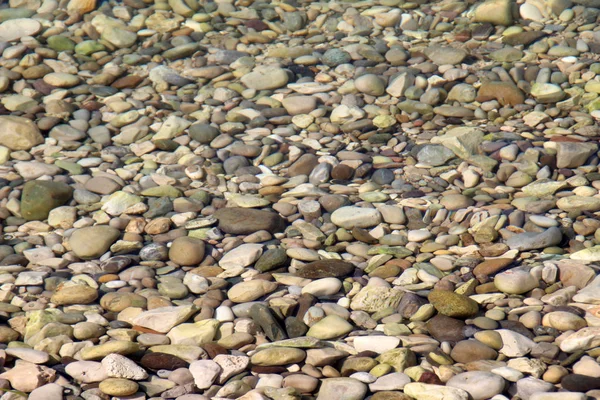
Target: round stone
x=187 y=251
x=118 y=387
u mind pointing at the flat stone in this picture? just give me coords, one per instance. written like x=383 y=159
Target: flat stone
x=424 y=391
x=326 y=269
x=533 y=240
x=14 y=29
x=265 y=78
x=243 y=221
x=355 y=217
x=342 y=389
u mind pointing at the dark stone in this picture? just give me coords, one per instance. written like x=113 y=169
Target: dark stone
x=409 y=304
x=523 y=38
x=156 y=361
x=303 y=165
x=580 y=383
x=295 y=327
x=271 y=259
x=518 y=327
x=214 y=349
x=203 y=133
x=268 y=370
x=244 y=221
x=305 y=301
x=430 y=377
x=342 y=172
x=265 y=319
x=444 y=328
x=326 y=269
x=383 y=176
x=40 y=197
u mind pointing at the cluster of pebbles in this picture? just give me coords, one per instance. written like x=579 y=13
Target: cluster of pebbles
x=268 y=200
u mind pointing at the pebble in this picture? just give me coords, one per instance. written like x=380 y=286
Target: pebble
x=236 y=200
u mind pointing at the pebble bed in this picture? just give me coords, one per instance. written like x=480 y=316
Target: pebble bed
x=267 y=200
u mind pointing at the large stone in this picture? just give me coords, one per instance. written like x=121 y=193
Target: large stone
x=467 y=351
x=244 y=221
x=100 y=351
x=515 y=281
x=40 y=197
x=195 y=334
x=75 y=294
x=442 y=55
x=480 y=385
x=547 y=92
x=579 y=203
x=244 y=292
x=342 y=389
x=326 y=269
x=14 y=29
x=93 y=241
x=453 y=304
x=425 y=391
x=374 y=298
x=265 y=78
x=398 y=359
x=497 y=12
x=119 y=37
x=332 y=326
x=463 y=141
x=505 y=93
x=573 y=155
x=186 y=251
x=444 y=328
x=163 y=319
x=278 y=356
x=18 y=133
x=583 y=339
x=356 y=217
x=534 y=240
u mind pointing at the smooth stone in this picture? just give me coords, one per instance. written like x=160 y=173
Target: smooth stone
x=356 y=217
x=533 y=240
x=332 y=326
x=515 y=344
x=244 y=292
x=76 y=294
x=186 y=251
x=377 y=344
x=265 y=78
x=14 y=29
x=342 y=389
x=467 y=351
x=93 y=241
x=452 y=304
x=241 y=256
x=243 y=221
x=325 y=269
x=40 y=197
x=479 y=384
x=424 y=391
x=19 y=133
x=118 y=387
x=278 y=356
x=205 y=373
x=163 y=319
x=515 y=281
